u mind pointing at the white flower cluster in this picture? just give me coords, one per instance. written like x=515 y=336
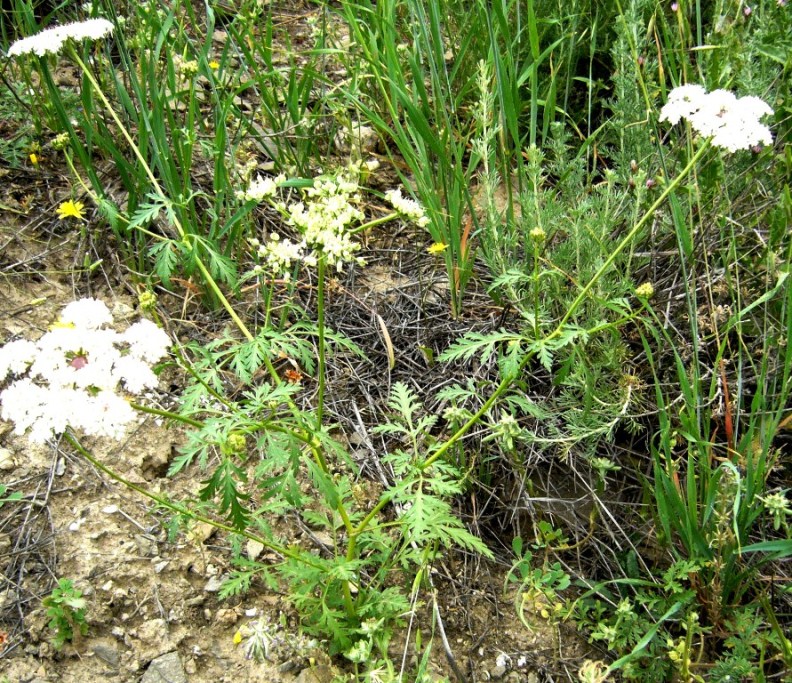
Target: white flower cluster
x=70 y=377
x=51 y=40
x=261 y=189
x=323 y=220
x=278 y=255
x=408 y=208
x=732 y=122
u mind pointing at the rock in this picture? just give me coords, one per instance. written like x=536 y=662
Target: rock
x=254 y=549
x=498 y=671
x=315 y=674
x=214 y=583
x=226 y=617
x=165 y=669
x=155 y=637
x=202 y=531
x=362 y=139
x=146 y=545
x=122 y=311
x=7 y=462
x=107 y=653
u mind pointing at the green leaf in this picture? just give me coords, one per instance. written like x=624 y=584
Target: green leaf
x=474 y=343
x=147 y=212
x=166 y=257
x=223 y=483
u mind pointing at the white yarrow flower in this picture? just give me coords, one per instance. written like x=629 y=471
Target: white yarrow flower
x=135 y=374
x=16 y=356
x=147 y=341
x=732 y=123
x=90 y=314
x=261 y=188
x=682 y=102
x=279 y=254
x=70 y=377
x=51 y=40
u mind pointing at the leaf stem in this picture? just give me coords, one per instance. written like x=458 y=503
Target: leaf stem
x=182 y=510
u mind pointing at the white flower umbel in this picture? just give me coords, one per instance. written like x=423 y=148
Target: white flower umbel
x=72 y=375
x=326 y=219
x=408 y=208
x=682 y=102
x=261 y=189
x=732 y=123
x=90 y=314
x=146 y=341
x=278 y=255
x=51 y=40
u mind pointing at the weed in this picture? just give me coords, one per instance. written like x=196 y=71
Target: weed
x=66 y=611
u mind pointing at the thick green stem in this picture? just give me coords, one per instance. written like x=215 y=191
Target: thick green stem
x=181 y=510
x=210 y=281
x=320 y=326
x=167 y=414
x=377 y=221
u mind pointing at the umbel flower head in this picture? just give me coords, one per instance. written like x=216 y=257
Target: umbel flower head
x=71 y=376
x=51 y=40
x=732 y=122
x=324 y=222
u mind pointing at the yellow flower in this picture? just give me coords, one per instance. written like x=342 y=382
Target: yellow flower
x=237 y=637
x=214 y=65
x=60 y=325
x=437 y=248
x=34 y=158
x=71 y=209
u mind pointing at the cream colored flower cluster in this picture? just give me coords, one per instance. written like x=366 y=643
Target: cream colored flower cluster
x=408 y=208
x=70 y=377
x=732 y=122
x=323 y=220
x=261 y=189
x=51 y=40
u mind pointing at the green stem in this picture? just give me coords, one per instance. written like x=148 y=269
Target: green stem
x=181 y=510
x=320 y=325
x=210 y=281
x=536 y=277
x=377 y=221
x=167 y=414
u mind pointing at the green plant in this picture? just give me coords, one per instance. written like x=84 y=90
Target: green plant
x=419 y=88
x=66 y=611
x=12 y=497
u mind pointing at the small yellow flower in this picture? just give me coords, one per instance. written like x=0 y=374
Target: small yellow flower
x=437 y=248
x=34 y=159
x=237 y=637
x=71 y=209
x=644 y=291
x=214 y=65
x=60 y=325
